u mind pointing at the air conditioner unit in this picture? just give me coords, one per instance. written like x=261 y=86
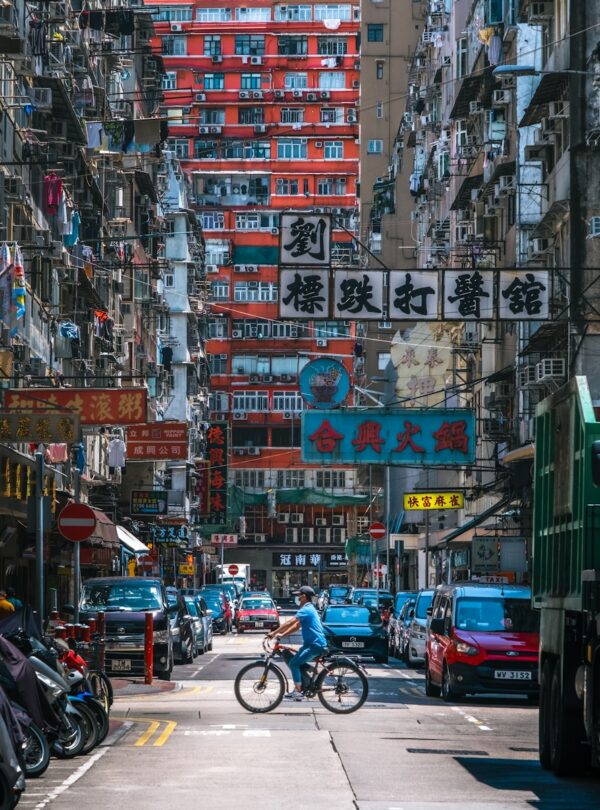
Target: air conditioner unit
x=297 y=94
x=355 y=84
x=318 y=144
x=287 y=378
x=239 y=268
x=215 y=130
x=175 y=27
x=539 y=12
x=283 y=517
x=501 y=98
x=321 y=342
x=239 y=416
x=539 y=245
x=260 y=538
x=254 y=451
x=475 y=107
x=311 y=97
x=506 y=183
x=594 y=227
x=203 y=130
x=244 y=94
x=279 y=93
x=216 y=59
x=212 y=268
x=274 y=230
x=257 y=94
x=325 y=95
x=254 y=378
x=538 y=152
x=463 y=232
x=527 y=376
x=251 y=268
x=496 y=428
x=551 y=369
x=558 y=109
x=239 y=451
x=288 y=414
x=320 y=521
x=256 y=60
x=267 y=378
x=260 y=129
x=237 y=334
x=337 y=520
x=351 y=117
x=297 y=517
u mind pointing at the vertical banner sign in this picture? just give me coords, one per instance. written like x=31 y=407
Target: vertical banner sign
x=468 y=295
x=359 y=294
x=305 y=240
x=414 y=295
x=304 y=294
x=217 y=447
x=202 y=485
x=524 y=294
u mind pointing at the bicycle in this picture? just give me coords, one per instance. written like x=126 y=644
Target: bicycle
x=337 y=680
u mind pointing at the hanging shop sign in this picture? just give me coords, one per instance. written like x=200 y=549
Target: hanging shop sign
x=485 y=555
x=420 y=295
x=224 y=539
x=217 y=446
x=186 y=570
x=94 y=406
x=305 y=240
x=299 y=560
x=52 y=427
x=400 y=436
x=433 y=500
x=149 y=502
x=169 y=534
x=324 y=383
x=202 y=485
x=336 y=560
x=157 y=441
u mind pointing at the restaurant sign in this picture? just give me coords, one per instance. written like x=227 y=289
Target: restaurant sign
x=433 y=500
x=53 y=427
x=94 y=406
x=149 y=502
x=401 y=436
x=157 y=441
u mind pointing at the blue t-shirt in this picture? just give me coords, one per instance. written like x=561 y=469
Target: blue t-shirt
x=310 y=623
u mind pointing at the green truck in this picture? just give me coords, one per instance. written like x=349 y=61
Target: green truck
x=566 y=577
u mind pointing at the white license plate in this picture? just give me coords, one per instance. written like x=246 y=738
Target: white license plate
x=259 y=624
x=512 y=675
x=121 y=665
x=353 y=644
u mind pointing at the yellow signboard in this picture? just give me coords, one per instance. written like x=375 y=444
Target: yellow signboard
x=433 y=500
x=186 y=570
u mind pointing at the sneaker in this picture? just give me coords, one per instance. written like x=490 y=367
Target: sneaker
x=295 y=696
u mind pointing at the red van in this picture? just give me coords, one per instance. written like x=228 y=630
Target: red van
x=482 y=638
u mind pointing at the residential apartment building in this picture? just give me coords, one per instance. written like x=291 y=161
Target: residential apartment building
x=262 y=109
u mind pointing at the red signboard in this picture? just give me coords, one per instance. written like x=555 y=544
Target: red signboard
x=377 y=531
x=202 y=485
x=157 y=441
x=76 y=522
x=95 y=406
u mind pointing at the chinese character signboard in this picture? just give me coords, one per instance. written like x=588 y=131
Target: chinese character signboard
x=95 y=406
x=336 y=560
x=224 y=539
x=414 y=295
x=157 y=441
x=484 y=554
x=468 y=295
x=149 y=502
x=524 y=294
x=202 y=485
x=52 y=427
x=377 y=436
x=305 y=240
x=304 y=293
x=324 y=383
x=297 y=560
x=423 y=359
x=359 y=294
x=170 y=536
x=217 y=444
x=434 y=500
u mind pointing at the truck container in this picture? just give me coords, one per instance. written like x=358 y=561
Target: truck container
x=238 y=573
x=566 y=578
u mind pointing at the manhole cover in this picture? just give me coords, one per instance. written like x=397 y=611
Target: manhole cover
x=448 y=752
x=523 y=750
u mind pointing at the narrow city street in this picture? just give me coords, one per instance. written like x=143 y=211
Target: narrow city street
x=195 y=746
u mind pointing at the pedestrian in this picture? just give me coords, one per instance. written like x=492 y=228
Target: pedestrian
x=314 y=642
x=6 y=608
x=13 y=599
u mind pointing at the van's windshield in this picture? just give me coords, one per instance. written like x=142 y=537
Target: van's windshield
x=121 y=596
x=497 y=615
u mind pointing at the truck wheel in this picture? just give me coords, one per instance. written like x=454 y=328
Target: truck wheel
x=568 y=753
x=544 y=716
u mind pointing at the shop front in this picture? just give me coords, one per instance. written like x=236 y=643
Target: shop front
x=291 y=569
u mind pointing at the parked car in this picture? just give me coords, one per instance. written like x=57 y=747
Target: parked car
x=400 y=599
x=482 y=638
x=182 y=629
x=206 y=617
x=200 y=642
x=337 y=594
x=401 y=628
x=322 y=600
x=217 y=604
x=257 y=613
x=231 y=593
x=417 y=632
x=356 y=629
x=371 y=598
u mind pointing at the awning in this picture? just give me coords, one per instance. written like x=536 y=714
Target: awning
x=476 y=521
x=550 y=88
x=503 y=374
x=105 y=531
x=131 y=542
x=555 y=215
x=469 y=90
x=550 y=337
x=463 y=196
x=524 y=453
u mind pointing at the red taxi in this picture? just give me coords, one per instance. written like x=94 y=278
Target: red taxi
x=256 y=613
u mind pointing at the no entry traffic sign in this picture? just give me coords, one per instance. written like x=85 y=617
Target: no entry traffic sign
x=76 y=522
x=377 y=531
x=233 y=570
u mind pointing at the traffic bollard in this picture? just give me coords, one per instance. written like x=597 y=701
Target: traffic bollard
x=101 y=624
x=148 y=647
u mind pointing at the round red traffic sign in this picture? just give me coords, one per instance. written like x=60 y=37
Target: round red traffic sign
x=76 y=522
x=377 y=531
x=233 y=570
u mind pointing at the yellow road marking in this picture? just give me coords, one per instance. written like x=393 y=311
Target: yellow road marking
x=205 y=689
x=154 y=726
x=170 y=726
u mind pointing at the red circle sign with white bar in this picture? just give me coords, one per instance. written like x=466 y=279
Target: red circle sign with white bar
x=233 y=570
x=76 y=522
x=377 y=531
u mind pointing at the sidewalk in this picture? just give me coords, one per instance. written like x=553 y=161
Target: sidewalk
x=125 y=686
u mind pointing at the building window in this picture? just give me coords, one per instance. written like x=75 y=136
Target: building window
x=379 y=70
x=291 y=479
x=250 y=479
x=251 y=401
x=286 y=186
x=174 y=46
x=249 y=45
x=181 y=147
x=217 y=363
x=211 y=115
x=334 y=11
x=331 y=46
x=256 y=14
x=294 y=13
x=383 y=358
x=291 y=148
x=213 y=14
x=250 y=81
x=169 y=81
x=338 y=535
x=379 y=109
x=169 y=280
x=295 y=81
x=213 y=220
x=374 y=32
x=331 y=185
x=375 y=147
x=209 y=150
x=292 y=115
x=214 y=81
x=172 y=14
x=252 y=328
x=292 y=46
x=332 y=115
x=217 y=329
x=461 y=57
x=249 y=291
x=212 y=45
x=332 y=329
x=334 y=80
x=250 y=364
x=287 y=401
x=217 y=251
x=331 y=479
x=334 y=150
x=251 y=115
x=219 y=290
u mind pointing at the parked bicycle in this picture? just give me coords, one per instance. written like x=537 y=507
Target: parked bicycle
x=338 y=681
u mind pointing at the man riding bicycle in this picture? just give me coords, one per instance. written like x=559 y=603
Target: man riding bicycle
x=314 y=642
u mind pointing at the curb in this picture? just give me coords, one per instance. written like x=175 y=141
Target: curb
x=117 y=733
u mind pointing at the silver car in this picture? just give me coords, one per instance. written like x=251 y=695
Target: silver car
x=417 y=634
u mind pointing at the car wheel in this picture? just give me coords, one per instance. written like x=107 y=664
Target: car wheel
x=201 y=650
x=165 y=675
x=240 y=631
x=209 y=648
x=448 y=693
x=431 y=690
x=382 y=660
x=188 y=656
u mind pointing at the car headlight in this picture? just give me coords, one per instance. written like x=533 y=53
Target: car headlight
x=466 y=649
x=162 y=636
x=175 y=632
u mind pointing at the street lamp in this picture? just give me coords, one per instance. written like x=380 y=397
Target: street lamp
x=530 y=70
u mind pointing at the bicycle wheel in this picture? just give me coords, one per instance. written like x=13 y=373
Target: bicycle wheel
x=37 y=751
x=100 y=716
x=342 y=688
x=259 y=689
x=101 y=688
x=90 y=728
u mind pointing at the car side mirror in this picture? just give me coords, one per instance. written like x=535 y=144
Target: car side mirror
x=438 y=626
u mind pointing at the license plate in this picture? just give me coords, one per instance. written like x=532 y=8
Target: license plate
x=353 y=644
x=259 y=624
x=121 y=665
x=512 y=675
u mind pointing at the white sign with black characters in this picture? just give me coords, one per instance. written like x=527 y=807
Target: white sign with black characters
x=359 y=295
x=468 y=295
x=305 y=240
x=524 y=294
x=414 y=295
x=304 y=294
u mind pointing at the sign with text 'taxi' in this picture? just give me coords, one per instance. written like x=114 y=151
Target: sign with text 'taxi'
x=157 y=441
x=95 y=406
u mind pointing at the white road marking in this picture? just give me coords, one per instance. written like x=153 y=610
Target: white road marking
x=256 y=732
x=470 y=719
x=70 y=780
